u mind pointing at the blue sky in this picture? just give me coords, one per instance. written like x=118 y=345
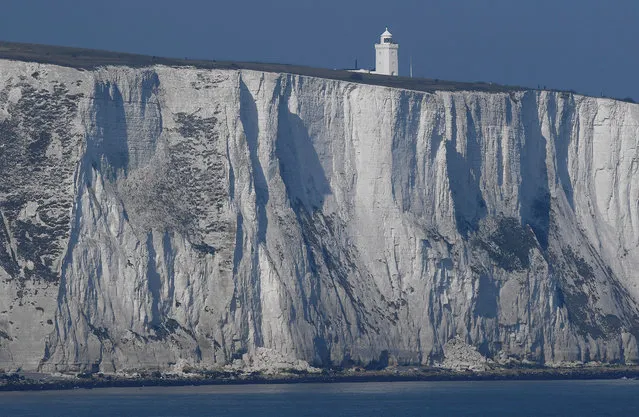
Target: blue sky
x=587 y=45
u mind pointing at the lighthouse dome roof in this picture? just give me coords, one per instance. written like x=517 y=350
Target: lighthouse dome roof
x=387 y=34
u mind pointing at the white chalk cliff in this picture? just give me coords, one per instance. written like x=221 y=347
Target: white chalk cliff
x=155 y=217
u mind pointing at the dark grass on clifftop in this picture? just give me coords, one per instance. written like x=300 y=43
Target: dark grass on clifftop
x=90 y=58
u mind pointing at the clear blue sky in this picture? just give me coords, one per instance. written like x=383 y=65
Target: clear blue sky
x=587 y=45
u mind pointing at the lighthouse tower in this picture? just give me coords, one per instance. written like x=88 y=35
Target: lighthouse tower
x=386 y=55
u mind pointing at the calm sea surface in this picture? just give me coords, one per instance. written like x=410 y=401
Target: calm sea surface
x=499 y=398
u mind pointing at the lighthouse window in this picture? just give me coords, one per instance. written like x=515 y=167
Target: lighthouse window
x=387 y=40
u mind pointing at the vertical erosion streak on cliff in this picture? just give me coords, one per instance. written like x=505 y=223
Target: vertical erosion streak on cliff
x=464 y=163
x=107 y=146
x=534 y=194
x=148 y=118
x=250 y=285
x=563 y=122
x=404 y=149
x=154 y=284
x=300 y=167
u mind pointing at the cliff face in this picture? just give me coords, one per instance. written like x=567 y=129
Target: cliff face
x=163 y=216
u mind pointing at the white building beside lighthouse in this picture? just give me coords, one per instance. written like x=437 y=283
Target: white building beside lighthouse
x=386 y=61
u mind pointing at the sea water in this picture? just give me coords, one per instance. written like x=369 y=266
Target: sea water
x=481 y=398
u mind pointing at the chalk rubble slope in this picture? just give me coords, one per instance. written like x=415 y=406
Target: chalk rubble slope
x=157 y=217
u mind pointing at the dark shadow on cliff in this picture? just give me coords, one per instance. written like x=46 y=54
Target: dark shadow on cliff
x=249 y=119
x=150 y=85
x=300 y=166
x=142 y=145
x=464 y=173
x=486 y=304
x=250 y=292
x=154 y=282
x=534 y=194
x=563 y=137
x=169 y=263
x=404 y=149
x=107 y=149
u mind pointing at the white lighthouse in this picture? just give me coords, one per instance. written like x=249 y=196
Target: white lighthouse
x=386 y=55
